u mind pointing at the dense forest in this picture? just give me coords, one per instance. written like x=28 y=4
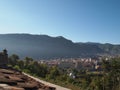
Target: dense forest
x=108 y=79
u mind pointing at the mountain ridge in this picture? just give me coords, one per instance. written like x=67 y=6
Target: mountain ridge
x=44 y=46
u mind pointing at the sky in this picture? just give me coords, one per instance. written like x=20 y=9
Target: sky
x=77 y=20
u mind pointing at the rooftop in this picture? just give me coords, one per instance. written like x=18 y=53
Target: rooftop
x=11 y=79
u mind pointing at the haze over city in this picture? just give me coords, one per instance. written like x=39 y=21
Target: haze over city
x=78 y=20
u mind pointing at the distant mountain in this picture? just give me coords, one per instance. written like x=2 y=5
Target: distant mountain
x=110 y=49
x=44 y=46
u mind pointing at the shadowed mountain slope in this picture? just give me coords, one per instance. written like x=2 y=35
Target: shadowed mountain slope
x=43 y=46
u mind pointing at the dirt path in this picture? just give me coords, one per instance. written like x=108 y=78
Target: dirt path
x=47 y=83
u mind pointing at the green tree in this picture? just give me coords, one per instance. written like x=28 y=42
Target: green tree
x=20 y=63
x=111 y=74
x=13 y=59
x=54 y=73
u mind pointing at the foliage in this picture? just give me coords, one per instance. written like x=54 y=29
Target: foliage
x=109 y=79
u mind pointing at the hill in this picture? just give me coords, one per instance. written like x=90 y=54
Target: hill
x=108 y=48
x=44 y=46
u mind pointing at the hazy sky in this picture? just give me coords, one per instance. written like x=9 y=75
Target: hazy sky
x=78 y=20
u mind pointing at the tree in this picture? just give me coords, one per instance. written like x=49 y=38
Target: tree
x=111 y=70
x=13 y=59
x=54 y=72
x=20 y=63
